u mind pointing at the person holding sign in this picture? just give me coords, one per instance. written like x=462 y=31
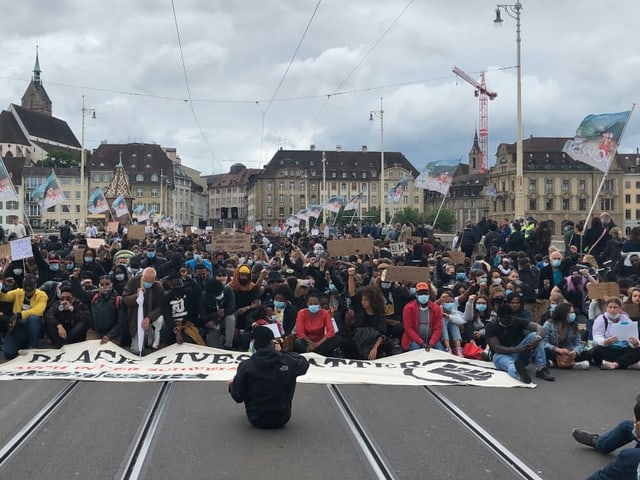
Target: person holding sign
x=616 y=339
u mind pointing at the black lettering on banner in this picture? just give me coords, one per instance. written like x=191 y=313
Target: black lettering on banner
x=454 y=373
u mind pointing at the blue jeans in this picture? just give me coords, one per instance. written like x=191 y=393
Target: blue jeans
x=26 y=334
x=450 y=331
x=617 y=437
x=506 y=361
x=416 y=346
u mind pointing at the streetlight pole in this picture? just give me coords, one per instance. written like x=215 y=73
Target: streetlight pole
x=380 y=114
x=514 y=12
x=83 y=159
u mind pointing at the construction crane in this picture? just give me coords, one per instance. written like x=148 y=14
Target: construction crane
x=484 y=95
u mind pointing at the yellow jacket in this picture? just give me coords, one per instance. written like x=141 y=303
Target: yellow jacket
x=37 y=306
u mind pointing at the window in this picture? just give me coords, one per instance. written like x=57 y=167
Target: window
x=12 y=205
x=78 y=182
x=33 y=210
x=334 y=186
x=155 y=178
x=292 y=185
x=269 y=198
x=302 y=200
x=65 y=180
x=548 y=185
x=354 y=186
x=533 y=204
x=548 y=204
x=154 y=192
x=405 y=200
x=291 y=198
x=344 y=174
x=627 y=214
x=281 y=198
x=334 y=175
x=416 y=200
x=32 y=182
x=373 y=173
x=627 y=199
x=139 y=177
x=269 y=185
x=627 y=184
x=97 y=177
x=607 y=203
x=533 y=184
x=637 y=214
x=78 y=194
x=608 y=185
x=582 y=184
x=374 y=199
x=281 y=185
x=565 y=204
x=314 y=186
x=269 y=212
x=67 y=194
x=139 y=192
x=364 y=174
x=582 y=204
x=281 y=211
x=343 y=186
x=637 y=184
x=303 y=186
x=565 y=185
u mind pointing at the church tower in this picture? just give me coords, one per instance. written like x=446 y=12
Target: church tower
x=35 y=97
x=475 y=157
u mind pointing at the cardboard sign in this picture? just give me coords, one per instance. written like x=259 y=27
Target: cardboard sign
x=21 y=248
x=78 y=255
x=456 y=257
x=136 y=232
x=397 y=248
x=406 y=274
x=112 y=227
x=95 y=242
x=633 y=309
x=602 y=290
x=352 y=246
x=232 y=243
x=5 y=250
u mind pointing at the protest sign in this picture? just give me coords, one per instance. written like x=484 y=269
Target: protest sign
x=112 y=227
x=456 y=257
x=351 y=246
x=78 y=255
x=231 y=242
x=95 y=242
x=21 y=248
x=397 y=248
x=136 y=232
x=5 y=250
x=405 y=274
x=632 y=309
x=602 y=290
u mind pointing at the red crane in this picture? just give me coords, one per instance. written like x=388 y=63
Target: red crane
x=483 y=94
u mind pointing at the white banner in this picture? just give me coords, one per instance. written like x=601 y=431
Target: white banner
x=94 y=362
x=21 y=248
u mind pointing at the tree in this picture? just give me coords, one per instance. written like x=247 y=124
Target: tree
x=446 y=220
x=60 y=159
x=409 y=215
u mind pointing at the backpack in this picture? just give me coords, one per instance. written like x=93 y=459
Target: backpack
x=118 y=298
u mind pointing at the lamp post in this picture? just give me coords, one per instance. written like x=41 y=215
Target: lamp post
x=83 y=160
x=514 y=12
x=380 y=114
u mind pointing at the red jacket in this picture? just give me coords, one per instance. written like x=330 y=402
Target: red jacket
x=411 y=322
x=314 y=326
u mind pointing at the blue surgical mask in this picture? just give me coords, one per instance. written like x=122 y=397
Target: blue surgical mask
x=450 y=307
x=385 y=285
x=481 y=307
x=272 y=318
x=119 y=277
x=423 y=299
x=151 y=255
x=279 y=305
x=17 y=271
x=54 y=267
x=70 y=266
x=508 y=292
x=571 y=317
x=314 y=308
x=482 y=281
x=147 y=284
x=556 y=263
x=197 y=258
x=461 y=276
x=496 y=281
x=412 y=290
x=88 y=259
x=552 y=307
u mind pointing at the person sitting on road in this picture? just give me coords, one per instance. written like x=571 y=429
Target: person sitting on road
x=314 y=329
x=266 y=381
x=562 y=339
x=422 y=321
x=512 y=348
x=67 y=320
x=610 y=352
x=626 y=464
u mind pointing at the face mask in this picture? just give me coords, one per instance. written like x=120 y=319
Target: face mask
x=272 y=318
x=54 y=267
x=250 y=262
x=481 y=307
x=556 y=263
x=482 y=281
x=496 y=281
x=461 y=276
x=151 y=255
x=220 y=297
x=119 y=277
x=17 y=271
x=314 y=308
x=385 y=285
x=279 y=305
x=613 y=316
x=105 y=290
x=332 y=288
x=508 y=292
x=197 y=258
x=147 y=284
x=69 y=266
x=450 y=307
x=423 y=299
x=571 y=317
x=498 y=300
x=412 y=290
x=552 y=307
x=506 y=321
x=88 y=259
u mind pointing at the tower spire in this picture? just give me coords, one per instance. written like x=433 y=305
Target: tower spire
x=36 y=69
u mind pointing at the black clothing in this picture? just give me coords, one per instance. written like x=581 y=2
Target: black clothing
x=510 y=336
x=107 y=315
x=266 y=383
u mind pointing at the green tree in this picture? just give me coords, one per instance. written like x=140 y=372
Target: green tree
x=409 y=215
x=446 y=220
x=60 y=159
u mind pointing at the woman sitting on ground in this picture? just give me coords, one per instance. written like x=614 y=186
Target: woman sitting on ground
x=562 y=339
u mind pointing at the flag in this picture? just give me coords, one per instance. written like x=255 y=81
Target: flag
x=291 y=221
x=355 y=202
x=152 y=215
x=437 y=176
x=395 y=193
x=315 y=210
x=48 y=193
x=7 y=190
x=97 y=202
x=120 y=206
x=492 y=191
x=141 y=213
x=334 y=203
x=597 y=139
x=303 y=214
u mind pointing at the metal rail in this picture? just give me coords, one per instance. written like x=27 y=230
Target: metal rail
x=373 y=454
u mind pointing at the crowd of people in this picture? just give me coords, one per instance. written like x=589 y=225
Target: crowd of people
x=501 y=293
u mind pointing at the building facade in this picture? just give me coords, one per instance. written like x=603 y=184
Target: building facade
x=228 y=196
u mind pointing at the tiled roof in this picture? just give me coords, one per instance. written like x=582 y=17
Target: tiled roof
x=47 y=127
x=15 y=167
x=10 y=131
x=136 y=158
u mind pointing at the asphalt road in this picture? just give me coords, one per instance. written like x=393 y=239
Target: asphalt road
x=203 y=434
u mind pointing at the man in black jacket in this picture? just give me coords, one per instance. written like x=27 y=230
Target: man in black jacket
x=266 y=382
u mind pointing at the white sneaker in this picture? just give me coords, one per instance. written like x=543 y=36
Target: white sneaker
x=607 y=365
x=634 y=366
x=584 y=365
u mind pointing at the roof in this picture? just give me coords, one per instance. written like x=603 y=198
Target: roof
x=46 y=127
x=118 y=184
x=235 y=177
x=10 y=131
x=136 y=158
x=15 y=167
x=338 y=161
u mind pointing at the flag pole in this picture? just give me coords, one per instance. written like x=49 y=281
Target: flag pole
x=604 y=177
x=435 y=220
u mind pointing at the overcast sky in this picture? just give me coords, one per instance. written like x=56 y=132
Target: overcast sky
x=124 y=56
